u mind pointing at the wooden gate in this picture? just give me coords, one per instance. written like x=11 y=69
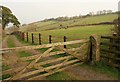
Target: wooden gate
x=56 y=58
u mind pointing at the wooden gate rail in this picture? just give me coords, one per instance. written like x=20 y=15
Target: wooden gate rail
x=44 y=45
x=45 y=69
x=50 y=54
x=64 y=61
x=47 y=74
x=74 y=57
x=11 y=71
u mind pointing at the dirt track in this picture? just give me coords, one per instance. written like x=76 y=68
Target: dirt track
x=79 y=72
x=11 y=58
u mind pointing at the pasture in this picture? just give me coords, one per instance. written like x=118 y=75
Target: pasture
x=54 y=24
x=71 y=33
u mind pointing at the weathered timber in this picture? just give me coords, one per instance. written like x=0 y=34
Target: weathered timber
x=44 y=45
x=64 y=38
x=31 y=64
x=50 y=39
x=53 y=60
x=13 y=70
x=107 y=44
x=110 y=57
x=40 y=42
x=49 y=54
x=110 y=37
x=32 y=38
x=62 y=63
x=111 y=51
x=70 y=52
x=45 y=69
x=40 y=67
x=94 y=48
x=27 y=36
x=47 y=74
x=90 y=50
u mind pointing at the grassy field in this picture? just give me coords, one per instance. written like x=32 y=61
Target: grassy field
x=76 y=33
x=48 y=25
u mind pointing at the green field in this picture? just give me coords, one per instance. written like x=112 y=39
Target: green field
x=76 y=33
x=53 y=24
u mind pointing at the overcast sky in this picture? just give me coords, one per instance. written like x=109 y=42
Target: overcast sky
x=28 y=11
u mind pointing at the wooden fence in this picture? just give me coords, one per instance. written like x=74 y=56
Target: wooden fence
x=56 y=58
x=110 y=47
x=110 y=50
x=47 y=63
x=37 y=38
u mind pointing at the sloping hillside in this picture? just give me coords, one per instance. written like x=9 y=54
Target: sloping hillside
x=53 y=24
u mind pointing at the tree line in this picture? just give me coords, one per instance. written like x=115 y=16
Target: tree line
x=66 y=18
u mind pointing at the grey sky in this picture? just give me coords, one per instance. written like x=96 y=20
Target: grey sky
x=28 y=11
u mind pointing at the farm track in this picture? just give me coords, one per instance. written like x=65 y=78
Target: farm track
x=82 y=73
x=11 y=59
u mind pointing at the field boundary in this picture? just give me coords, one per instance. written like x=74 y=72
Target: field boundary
x=112 y=51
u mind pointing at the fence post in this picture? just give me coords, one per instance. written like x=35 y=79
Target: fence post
x=64 y=38
x=50 y=39
x=32 y=39
x=94 y=49
x=116 y=48
x=27 y=36
x=39 y=39
x=23 y=36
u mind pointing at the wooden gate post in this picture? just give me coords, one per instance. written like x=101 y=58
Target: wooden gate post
x=39 y=39
x=32 y=39
x=50 y=39
x=90 y=49
x=94 y=48
x=64 y=38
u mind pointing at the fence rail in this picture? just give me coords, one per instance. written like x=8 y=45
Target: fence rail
x=38 y=38
x=44 y=45
x=111 y=50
